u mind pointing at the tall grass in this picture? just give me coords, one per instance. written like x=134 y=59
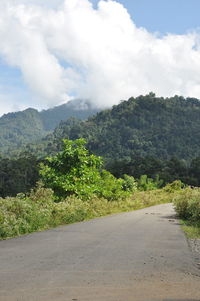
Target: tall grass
x=187 y=205
x=38 y=211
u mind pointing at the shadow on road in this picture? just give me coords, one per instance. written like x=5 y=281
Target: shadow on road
x=181 y=299
x=171 y=216
x=174 y=219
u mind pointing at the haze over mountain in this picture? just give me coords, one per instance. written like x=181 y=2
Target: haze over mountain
x=78 y=108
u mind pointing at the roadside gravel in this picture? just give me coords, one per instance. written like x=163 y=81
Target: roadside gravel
x=195 y=247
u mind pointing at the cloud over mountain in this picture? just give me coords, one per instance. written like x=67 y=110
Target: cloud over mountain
x=70 y=49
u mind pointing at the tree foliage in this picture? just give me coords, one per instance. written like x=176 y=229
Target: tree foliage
x=18 y=175
x=74 y=171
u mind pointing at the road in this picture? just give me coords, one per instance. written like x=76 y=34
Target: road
x=136 y=256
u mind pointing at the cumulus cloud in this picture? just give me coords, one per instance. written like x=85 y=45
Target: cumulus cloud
x=70 y=49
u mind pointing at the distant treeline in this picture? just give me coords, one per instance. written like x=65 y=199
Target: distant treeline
x=167 y=170
x=20 y=175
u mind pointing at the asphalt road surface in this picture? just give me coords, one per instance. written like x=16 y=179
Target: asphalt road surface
x=136 y=256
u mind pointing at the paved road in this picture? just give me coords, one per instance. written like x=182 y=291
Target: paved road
x=135 y=256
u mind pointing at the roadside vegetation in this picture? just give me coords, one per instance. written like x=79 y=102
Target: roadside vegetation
x=187 y=205
x=75 y=187
x=39 y=210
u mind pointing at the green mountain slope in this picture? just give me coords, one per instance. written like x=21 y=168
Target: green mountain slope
x=18 y=129
x=22 y=128
x=142 y=126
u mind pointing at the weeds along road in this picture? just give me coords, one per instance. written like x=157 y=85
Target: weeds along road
x=140 y=255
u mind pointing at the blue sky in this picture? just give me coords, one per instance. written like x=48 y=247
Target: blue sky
x=164 y=16
x=23 y=86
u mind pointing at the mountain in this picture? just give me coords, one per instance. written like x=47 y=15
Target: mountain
x=28 y=126
x=148 y=135
x=139 y=127
x=143 y=126
x=77 y=108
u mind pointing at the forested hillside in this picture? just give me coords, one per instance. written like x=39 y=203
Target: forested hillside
x=29 y=126
x=147 y=135
x=143 y=126
x=18 y=129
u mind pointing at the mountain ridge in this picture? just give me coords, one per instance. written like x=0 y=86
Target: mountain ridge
x=23 y=127
x=142 y=126
x=138 y=127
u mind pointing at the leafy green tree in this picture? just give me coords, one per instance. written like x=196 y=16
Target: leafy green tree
x=72 y=171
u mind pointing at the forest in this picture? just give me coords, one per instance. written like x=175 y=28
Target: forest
x=144 y=126
x=148 y=135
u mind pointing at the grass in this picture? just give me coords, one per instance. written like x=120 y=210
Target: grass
x=192 y=231
x=38 y=211
x=187 y=205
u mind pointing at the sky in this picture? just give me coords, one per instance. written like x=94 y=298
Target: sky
x=56 y=50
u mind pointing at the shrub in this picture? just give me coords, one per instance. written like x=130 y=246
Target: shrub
x=145 y=183
x=25 y=214
x=187 y=204
x=129 y=183
x=176 y=185
x=111 y=188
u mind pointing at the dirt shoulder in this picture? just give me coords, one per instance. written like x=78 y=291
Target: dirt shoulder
x=195 y=247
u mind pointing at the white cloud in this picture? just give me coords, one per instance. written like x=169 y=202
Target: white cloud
x=9 y=104
x=70 y=48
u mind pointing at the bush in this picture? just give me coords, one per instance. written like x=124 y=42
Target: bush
x=25 y=214
x=129 y=183
x=145 y=183
x=111 y=188
x=187 y=204
x=176 y=185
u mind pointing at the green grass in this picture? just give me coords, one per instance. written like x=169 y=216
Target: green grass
x=191 y=230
